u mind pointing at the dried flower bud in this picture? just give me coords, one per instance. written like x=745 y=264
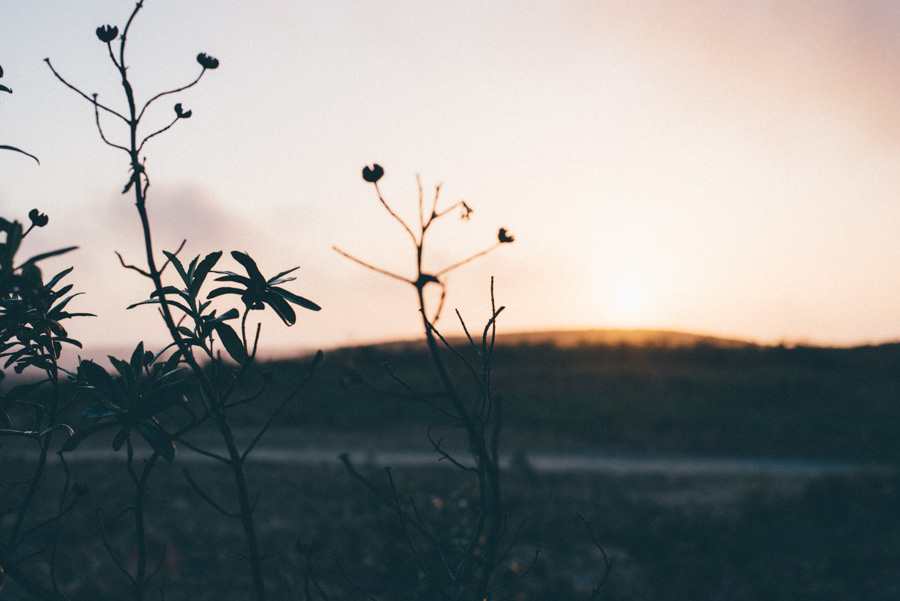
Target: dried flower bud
x=107 y=33
x=182 y=114
x=206 y=61
x=504 y=237
x=38 y=219
x=466 y=211
x=374 y=174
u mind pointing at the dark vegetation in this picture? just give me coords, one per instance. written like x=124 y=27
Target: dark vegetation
x=710 y=538
x=707 y=399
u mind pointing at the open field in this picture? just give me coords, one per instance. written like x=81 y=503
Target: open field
x=670 y=537
x=698 y=535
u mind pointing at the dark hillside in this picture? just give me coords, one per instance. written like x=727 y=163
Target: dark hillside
x=704 y=398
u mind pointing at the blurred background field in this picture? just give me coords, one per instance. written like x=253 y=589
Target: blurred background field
x=652 y=392
x=740 y=536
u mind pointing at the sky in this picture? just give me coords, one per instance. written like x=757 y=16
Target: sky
x=720 y=167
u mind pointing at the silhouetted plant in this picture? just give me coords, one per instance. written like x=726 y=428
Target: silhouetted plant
x=472 y=574
x=32 y=336
x=147 y=384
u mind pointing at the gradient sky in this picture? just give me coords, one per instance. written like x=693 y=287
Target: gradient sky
x=728 y=168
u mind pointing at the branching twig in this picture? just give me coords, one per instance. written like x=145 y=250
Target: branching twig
x=212 y=503
x=607 y=564
x=373 y=268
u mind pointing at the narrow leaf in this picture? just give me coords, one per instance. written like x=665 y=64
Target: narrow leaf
x=119 y=440
x=13 y=148
x=231 y=342
x=203 y=270
x=281 y=307
x=47 y=255
x=76 y=439
x=160 y=441
x=249 y=264
x=296 y=299
x=178 y=267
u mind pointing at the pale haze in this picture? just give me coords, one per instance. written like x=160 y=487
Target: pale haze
x=726 y=168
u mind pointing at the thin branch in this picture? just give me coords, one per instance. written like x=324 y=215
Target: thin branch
x=607 y=564
x=100 y=127
x=403 y=522
x=472 y=258
x=203 y=452
x=466 y=209
x=440 y=307
x=422 y=223
x=208 y=498
x=352 y=582
x=132 y=267
x=445 y=455
x=161 y=94
x=537 y=554
x=280 y=407
x=159 y=564
x=156 y=133
x=83 y=95
x=451 y=348
x=373 y=268
x=413 y=394
x=109 y=549
x=395 y=216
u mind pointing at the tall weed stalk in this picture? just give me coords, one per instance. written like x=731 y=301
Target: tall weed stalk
x=472 y=574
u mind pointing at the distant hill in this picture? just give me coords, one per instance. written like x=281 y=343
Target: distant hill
x=596 y=337
x=591 y=337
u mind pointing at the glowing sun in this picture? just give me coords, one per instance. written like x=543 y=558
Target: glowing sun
x=629 y=301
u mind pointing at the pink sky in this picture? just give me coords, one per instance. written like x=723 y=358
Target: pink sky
x=726 y=168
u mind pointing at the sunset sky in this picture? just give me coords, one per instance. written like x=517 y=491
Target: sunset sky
x=721 y=167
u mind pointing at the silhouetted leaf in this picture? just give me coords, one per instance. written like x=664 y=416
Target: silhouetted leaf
x=47 y=255
x=13 y=148
x=119 y=440
x=160 y=441
x=96 y=377
x=250 y=265
x=231 y=341
x=296 y=299
x=281 y=307
x=203 y=269
x=101 y=410
x=137 y=359
x=81 y=435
